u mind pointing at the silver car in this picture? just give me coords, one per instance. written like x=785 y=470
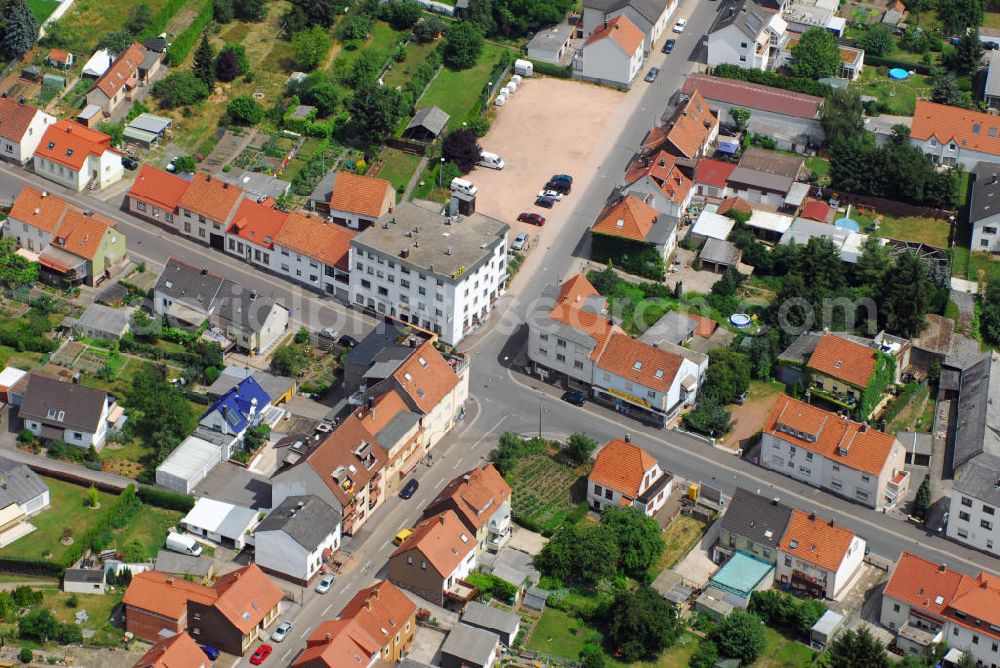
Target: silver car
x=324 y=585
x=519 y=242
x=281 y=632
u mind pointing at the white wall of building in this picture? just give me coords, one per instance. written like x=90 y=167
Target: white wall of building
x=986 y=235
x=22 y=151
x=731 y=45
x=835 y=580
x=604 y=60
x=277 y=551
x=950 y=153
x=974 y=523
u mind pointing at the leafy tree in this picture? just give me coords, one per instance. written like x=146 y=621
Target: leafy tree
x=816 y=55
x=906 y=296
x=318 y=90
x=140 y=18
x=585 y=555
x=462 y=148
x=857 y=647
x=375 y=110
x=511 y=448
x=20 y=29
x=514 y=18
x=116 y=42
x=968 y=54
x=310 y=47
x=728 y=375
x=480 y=12
x=428 y=29
x=874 y=264
x=244 y=110
x=740 y=636
x=922 y=501
x=223 y=11
x=92 y=498
x=578 y=448
x=185 y=164
x=462 y=44
x=877 y=40
x=162 y=415
x=204 y=62
x=842 y=115
x=134 y=552
x=179 y=89
x=38 y=625
x=638 y=536
x=728 y=284
x=288 y=361
x=946 y=90
x=705 y=656
x=957 y=16
x=15 y=271
x=357 y=28
x=251 y=10
x=238 y=55
x=740 y=117
x=226 y=67
x=402 y=14
x=989 y=315
x=709 y=417
x=26 y=655
x=639 y=625
x=114 y=130
x=305 y=13
x=592 y=656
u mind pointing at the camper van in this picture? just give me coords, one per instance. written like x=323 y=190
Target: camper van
x=460 y=185
x=491 y=160
x=183 y=544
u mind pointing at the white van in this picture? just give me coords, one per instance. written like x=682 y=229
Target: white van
x=465 y=187
x=183 y=544
x=491 y=160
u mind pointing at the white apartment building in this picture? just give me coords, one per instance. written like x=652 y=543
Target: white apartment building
x=747 y=36
x=438 y=272
x=975 y=498
x=835 y=454
x=77 y=157
x=315 y=253
x=613 y=53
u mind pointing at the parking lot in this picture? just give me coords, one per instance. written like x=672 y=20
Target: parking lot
x=542 y=130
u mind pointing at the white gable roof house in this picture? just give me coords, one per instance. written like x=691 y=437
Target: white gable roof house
x=21 y=129
x=747 y=36
x=613 y=53
x=652 y=17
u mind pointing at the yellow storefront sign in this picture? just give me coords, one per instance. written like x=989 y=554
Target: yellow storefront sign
x=629 y=397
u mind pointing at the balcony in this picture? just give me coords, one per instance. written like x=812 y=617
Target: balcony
x=897 y=485
x=460 y=590
x=497 y=539
x=920 y=637
x=374 y=483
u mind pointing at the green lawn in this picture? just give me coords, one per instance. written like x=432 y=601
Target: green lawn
x=42 y=8
x=679 y=537
x=782 y=652
x=456 y=91
x=545 y=493
x=560 y=634
x=98 y=608
x=149 y=528
x=985 y=263
x=991 y=20
x=382 y=41
x=931 y=231
x=901 y=96
x=821 y=168
x=398 y=168
x=416 y=54
x=89 y=20
x=22 y=360
x=68 y=509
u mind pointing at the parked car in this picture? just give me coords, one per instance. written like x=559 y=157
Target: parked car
x=554 y=194
x=210 y=652
x=402 y=536
x=680 y=25
x=559 y=186
x=346 y=341
x=545 y=202
x=519 y=242
x=574 y=397
x=742 y=399
x=325 y=583
x=532 y=218
x=262 y=653
x=281 y=632
x=562 y=177
x=991 y=46
x=409 y=489
x=652 y=74
x=668 y=46
x=129 y=163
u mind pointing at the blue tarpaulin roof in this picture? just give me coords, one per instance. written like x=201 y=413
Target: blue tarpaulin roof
x=237 y=404
x=728 y=148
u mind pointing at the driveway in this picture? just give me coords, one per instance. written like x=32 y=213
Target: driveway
x=749 y=418
x=540 y=132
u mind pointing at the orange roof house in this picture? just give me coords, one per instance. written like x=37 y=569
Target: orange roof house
x=178 y=651
x=37 y=209
x=631 y=218
x=613 y=53
x=665 y=177
x=818 y=556
x=246 y=597
x=640 y=363
x=256 y=223
x=109 y=91
x=69 y=144
x=843 y=360
x=621 y=31
x=310 y=236
x=357 y=201
x=971 y=131
x=156 y=601
x=158 y=191
x=425 y=377
x=626 y=475
x=81 y=235
x=713 y=173
x=692 y=128
x=813 y=209
x=22 y=125
x=212 y=198
x=439 y=552
x=475 y=496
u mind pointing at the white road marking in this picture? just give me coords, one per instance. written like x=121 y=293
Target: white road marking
x=439 y=484
x=402 y=524
x=493 y=428
x=326 y=610
x=457 y=464
x=306 y=632
x=284 y=657
x=346 y=587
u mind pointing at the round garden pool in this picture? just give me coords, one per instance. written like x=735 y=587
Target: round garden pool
x=898 y=73
x=740 y=320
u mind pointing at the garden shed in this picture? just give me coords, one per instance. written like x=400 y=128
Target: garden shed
x=427 y=124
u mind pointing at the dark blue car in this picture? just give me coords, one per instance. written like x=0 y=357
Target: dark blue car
x=210 y=652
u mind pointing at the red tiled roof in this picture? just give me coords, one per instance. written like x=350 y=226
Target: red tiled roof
x=840 y=440
x=714 y=173
x=622 y=32
x=817 y=541
x=639 y=362
x=158 y=188
x=381 y=609
x=245 y=596
x=59 y=56
x=631 y=218
x=443 y=541
x=753 y=96
x=121 y=70
x=69 y=144
x=81 y=235
x=970 y=130
x=475 y=496
x=336 y=453
x=621 y=466
x=845 y=360
x=664 y=172
x=577 y=289
x=705 y=326
x=213 y=198
x=44 y=212
x=15 y=117
x=179 y=651
x=165 y=595
x=330 y=244
x=336 y=643
x=737 y=203
x=258 y=223
x=816 y=210
x=363 y=195
x=426 y=377
x=692 y=126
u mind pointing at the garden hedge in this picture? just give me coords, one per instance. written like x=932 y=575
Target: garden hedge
x=880 y=61
x=167 y=500
x=548 y=69
x=184 y=42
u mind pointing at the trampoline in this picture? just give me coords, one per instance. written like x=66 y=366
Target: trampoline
x=898 y=73
x=848 y=224
x=740 y=320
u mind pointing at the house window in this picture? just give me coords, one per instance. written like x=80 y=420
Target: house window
x=788 y=561
x=895 y=607
x=986 y=524
x=543 y=337
x=598 y=490
x=967 y=502
x=201 y=218
x=169 y=217
x=578 y=364
x=744 y=44
x=543 y=351
x=861 y=494
x=141 y=206
x=962 y=533
x=423 y=565
x=743 y=59
x=989 y=230
x=988 y=510
x=560 y=357
x=964 y=516
x=560 y=343
x=608 y=494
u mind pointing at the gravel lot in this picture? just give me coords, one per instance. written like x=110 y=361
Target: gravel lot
x=548 y=126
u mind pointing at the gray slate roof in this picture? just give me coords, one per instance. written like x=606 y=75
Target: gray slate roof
x=651 y=10
x=540 y=319
x=308 y=525
x=432 y=119
x=190 y=285
x=745 y=15
x=469 y=644
x=81 y=407
x=756 y=518
x=492 y=619
x=244 y=307
x=151 y=123
x=718 y=251
x=20 y=484
x=978 y=417
x=273 y=386
x=394 y=430
x=981 y=479
x=104 y=319
x=674 y=327
x=986 y=189
x=761 y=180
x=176 y=563
x=85 y=575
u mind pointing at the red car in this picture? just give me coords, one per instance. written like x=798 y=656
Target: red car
x=262 y=653
x=532 y=219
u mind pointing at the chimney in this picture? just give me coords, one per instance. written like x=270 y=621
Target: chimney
x=208 y=178
x=236 y=575
x=441 y=518
x=830 y=523
x=943 y=568
x=368 y=603
x=465 y=477
x=225 y=185
x=327 y=637
x=170 y=580
x=45 y=193
x=204 y=271
x=812 y=517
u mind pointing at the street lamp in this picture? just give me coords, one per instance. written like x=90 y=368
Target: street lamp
x=540 y=398
x=440 y=172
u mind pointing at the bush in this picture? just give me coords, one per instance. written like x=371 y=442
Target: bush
x=182 y=44
x=26 y=655
x=166 y=500
x=511 y=448
x=25 y=436
x=244 y=110
x=179 y=89
x=783 y=610
x=796 y=84
x=462 y=45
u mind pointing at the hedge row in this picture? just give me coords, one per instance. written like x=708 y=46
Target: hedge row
x=167 y=500
x=548 y=69
x=26 y=566
x=794 y=84
x=118 y=513
x=879 y=61
x=183 y=43
x=159 y=22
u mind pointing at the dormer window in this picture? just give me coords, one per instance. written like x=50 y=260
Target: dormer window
x=52 y=145
x=51 y=413
x=69 y=152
